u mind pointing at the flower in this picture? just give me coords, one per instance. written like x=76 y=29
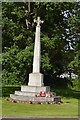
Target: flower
x=51 y=103
x=30 y=102
x=39 y=102
x=54 y=102
x=61 y=101
x=7 y=99
x=14 y=101
x=48 y=102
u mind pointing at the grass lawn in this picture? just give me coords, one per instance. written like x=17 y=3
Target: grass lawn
x=68 y=108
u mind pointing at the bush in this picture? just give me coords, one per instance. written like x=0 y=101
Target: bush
x=7 y=90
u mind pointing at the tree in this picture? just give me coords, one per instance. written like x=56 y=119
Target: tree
x=74 y=24
x=18 y=38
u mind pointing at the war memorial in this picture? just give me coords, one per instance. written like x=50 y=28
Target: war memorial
x=35 y=91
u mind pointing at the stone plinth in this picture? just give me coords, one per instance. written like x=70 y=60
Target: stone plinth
x=35 y=79
x=28 y=93
x=34 y=99
x=32 y=90
x=35 y=89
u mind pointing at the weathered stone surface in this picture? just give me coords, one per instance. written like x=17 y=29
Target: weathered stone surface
x=35 y=89
x=35 y=79
x=26 y=93
x=36 y=59
x=36 y=99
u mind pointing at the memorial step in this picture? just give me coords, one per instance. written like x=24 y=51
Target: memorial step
x=36 y=99
x=26 y=93
x=37 y=89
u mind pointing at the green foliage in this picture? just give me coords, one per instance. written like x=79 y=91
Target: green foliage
x=7 y=90
x=45 y=63
x=16 y=64
x=74 y=24
x=61 y=25
x=75 y=63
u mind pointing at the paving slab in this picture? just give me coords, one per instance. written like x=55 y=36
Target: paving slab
x=41 y=118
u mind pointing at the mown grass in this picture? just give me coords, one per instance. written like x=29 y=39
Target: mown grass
x=68 y=108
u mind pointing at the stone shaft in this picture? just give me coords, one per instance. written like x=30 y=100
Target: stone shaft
x=36 y=59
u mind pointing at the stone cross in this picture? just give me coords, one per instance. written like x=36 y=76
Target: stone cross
x=36 y=59
x=38 y=21
x=36 y=78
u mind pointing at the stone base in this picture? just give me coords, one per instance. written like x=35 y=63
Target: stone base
x=36 y=89
x=25 y=93
x=35 y=79
x=34 y=99
x=28 y=93
x=32 y=90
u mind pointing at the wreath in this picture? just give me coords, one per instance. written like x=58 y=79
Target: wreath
x=42 y=94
